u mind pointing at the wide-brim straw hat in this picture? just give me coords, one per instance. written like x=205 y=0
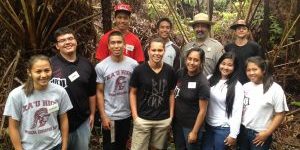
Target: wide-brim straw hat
x=239 y=23
x=201 y=18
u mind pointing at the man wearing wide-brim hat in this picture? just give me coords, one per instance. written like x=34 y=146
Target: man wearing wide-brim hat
x=212 y=48
x=243 y=47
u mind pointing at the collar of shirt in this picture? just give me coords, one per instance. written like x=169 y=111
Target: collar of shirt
x=66 y=61
x=169 y=43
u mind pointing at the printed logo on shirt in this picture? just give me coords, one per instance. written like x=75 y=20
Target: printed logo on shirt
x=246 y=101
x=40 y=117
x=176 y=91
x=155 y=97
x=121 y=78
x=60 y=81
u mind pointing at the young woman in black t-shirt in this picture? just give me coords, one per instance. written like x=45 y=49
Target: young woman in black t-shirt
x=191 y=100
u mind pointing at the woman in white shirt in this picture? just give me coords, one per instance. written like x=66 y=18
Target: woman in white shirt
x=224 y=111
x=264 y=106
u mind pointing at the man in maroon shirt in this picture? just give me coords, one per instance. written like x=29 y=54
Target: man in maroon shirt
x=133 y=47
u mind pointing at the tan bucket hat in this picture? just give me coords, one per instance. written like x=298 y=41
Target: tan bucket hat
x=201 y=18
x=239 y=23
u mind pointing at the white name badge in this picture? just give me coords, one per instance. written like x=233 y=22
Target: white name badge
x=53 y=108
x=209 y=49
x=129 y=47
x=192 y=85
x=73 y=76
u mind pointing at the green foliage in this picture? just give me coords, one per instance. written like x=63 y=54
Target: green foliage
x=296 y=103
x=221 y=28
x=276 y=30
x=220 y=5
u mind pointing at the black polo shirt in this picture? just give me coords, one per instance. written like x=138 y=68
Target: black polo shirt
x=79 y=80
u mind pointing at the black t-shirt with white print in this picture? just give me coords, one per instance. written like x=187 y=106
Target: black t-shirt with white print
x=153 y=91
x=189 y=90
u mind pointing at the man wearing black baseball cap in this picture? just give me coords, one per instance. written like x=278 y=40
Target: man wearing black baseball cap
x=133 y=47
x=243 y=47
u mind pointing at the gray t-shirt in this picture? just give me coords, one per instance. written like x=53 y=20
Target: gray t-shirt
x=115 y=76
x=37 y=115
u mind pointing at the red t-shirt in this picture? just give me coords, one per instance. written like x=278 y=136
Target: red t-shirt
x=133 y=47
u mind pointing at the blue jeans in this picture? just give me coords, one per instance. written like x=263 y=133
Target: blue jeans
x=245 y=140
x=213 y=138
x=181 y=138
x=57 y=147
x=80 y=138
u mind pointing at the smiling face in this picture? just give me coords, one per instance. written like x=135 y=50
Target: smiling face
x=241 y=32
x=201 y=30
x=193 y=62
x=164 y=29
x=116 y=45
x=254 y=73
x=122 y=21
x=40 y=73
x=226 y=68
x=156 y=52
x=66 y=44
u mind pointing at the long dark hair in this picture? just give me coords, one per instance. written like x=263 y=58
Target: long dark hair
x=201 y=56
x=231 y=81
x=267 y=69
x=28 y=86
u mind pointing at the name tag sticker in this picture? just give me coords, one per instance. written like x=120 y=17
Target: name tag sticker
x=53 y=108
x=192 y=85
x=73 y=76
x=209 y=49
x=129 y=47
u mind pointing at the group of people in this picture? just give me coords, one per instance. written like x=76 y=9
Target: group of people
x=211 y=97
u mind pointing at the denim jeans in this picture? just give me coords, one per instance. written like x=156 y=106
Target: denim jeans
x=213 y=138
x=57 y=147
x=181 y=138
x=80 y=138
x=245 y=140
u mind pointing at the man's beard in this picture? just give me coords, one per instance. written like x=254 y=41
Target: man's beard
x=201 y=35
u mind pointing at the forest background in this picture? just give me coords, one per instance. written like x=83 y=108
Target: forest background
x=27 y=26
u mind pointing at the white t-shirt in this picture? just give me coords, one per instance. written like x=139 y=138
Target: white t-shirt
x=216 y=111
x=37 y=115
x=116 y=76
x=260 y=108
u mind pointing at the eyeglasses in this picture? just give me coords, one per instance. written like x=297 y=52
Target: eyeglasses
x=61 y=41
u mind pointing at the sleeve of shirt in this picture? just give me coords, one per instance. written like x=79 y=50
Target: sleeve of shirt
x=100 y=73
x=226 y=48
x=219 y=53
x=92 y=81
x=13 y=107
x=102 y=49
x=134 y=78
x=65 y=103
x=237 y=109
x=279 y=100
x=261 y=52
x=204 y=89
x=139 y=53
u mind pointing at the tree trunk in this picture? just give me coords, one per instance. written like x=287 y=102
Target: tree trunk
x=106 y=6
x=266 y=26
x=210 y=9
x=297 y=36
